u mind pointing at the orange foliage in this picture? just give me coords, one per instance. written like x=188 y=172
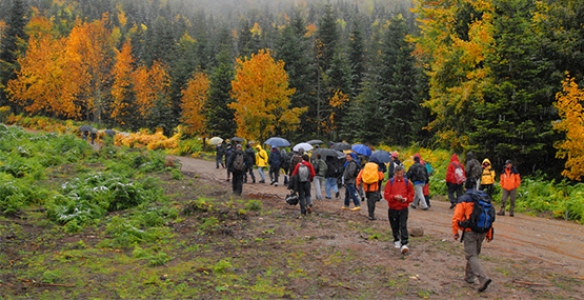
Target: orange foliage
x=149 y=85
x=261 y=88
x=193 y=100
x=310 y=30
x=569 y=105
x=121 y=88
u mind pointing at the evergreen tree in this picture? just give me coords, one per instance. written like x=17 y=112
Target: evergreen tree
x=11 y=46
x=220 y=118
x=356 y=58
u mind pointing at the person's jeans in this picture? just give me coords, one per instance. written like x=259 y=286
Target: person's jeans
x=261 y=172
x=398 y=220
x=330 y=183
x=317 y=184
x=350 y=192
x=304 y=195
x=452 y=188
x=419 y=195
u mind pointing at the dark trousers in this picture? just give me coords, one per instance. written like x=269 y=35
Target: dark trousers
x=372 y=198
x=237 y=182
x=250 y=174
x=488 y=188
x=452 y=188
x=398 y=219
x=274 y=172
x=303 y=193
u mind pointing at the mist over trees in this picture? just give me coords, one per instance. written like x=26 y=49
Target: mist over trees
x=465 y=75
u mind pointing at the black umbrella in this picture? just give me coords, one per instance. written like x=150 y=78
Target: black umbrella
x=324 y=152
x=341 y=146
x=237 y=139
x=315 y=142
x=88 y=128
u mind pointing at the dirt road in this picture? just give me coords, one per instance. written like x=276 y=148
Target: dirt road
x=518 y=238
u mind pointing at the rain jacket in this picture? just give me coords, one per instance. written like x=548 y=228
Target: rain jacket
x=451 y=167
x=462 y=212
x=488 y=176
x=261 y=157
x=399 y=187
x=275 y=159
x=473 y=168
x=310 y=168
x=510 y=178
x=350 y=170
x=370 y=187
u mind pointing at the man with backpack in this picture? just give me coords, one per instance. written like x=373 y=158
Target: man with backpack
x=419 y=176
x=455 y=177
x=249 y=163
x=350 y=179
x=474 y=216
x=274 y=160
x=305 y=172
x=371 y=177
x=320 y=168
x=473 y=169
x=236 y=164
x=394 y=163
x=399 y=193
x=331 y=176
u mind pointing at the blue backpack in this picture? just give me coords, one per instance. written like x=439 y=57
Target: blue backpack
x=483 y=213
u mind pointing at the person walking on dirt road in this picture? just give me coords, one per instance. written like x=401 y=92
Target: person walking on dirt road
x=399 y=193
x=473 y=241
x=238 y=172
x=510 y=181
x=261 y=162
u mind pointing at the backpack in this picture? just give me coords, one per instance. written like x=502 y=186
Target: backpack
x=370 y=173
x=405 y=179
x=239 y=162
x=459 y=175
x=483 y=213
x=303 y=173
x=292 y=199
x=429 y=168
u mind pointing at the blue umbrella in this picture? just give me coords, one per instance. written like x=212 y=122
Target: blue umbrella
x=380 y=156
x=278 y=142
x=361 y=149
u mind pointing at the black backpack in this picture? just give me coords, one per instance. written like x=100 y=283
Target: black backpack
x=239 y=162
x=483 y=213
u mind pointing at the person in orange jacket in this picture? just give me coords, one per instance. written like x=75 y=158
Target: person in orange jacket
x=371 y=189
x=399 y=193
x=473 y=241
x=510 y=181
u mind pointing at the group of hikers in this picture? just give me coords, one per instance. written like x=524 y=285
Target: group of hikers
x=473 y=211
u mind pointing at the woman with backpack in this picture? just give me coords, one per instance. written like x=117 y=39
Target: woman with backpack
x=454 y=181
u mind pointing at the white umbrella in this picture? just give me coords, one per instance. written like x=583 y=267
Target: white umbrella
x=305 y=146
x=215 y=140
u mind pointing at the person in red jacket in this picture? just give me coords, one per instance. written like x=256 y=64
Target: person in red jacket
x=399 y=193
x=304 y=186
x=473 y=241
x=452 y=182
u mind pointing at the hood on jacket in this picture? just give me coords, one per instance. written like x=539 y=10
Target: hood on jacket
x=469 y=155
x=454 y=157
x=259 y=148
x=486 y=160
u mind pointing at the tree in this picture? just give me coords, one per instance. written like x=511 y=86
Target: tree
x=220 y=118
x=261 y=88
x=150 y=86
x=121 y=91
x=569 y=105
x=11 y=45
x=194 y=99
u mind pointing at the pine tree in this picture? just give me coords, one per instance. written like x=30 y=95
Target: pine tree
x=11 y=46
x=220 y=118
x=356 y=57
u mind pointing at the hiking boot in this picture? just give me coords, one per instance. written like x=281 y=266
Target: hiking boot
x=338 y=195
x=253 y=181
x=485 y=284
x=404 y=249
x=452 y=205
x=471 y=280
x=275 y=184
x=328 y=197
x=356 y=208
x=372 y=218
x=272 y=183
x=511 y=214
x=425 y=208
x=309 y=209
x=413 y=206
x=227 y=179
x=397 y=244
x=262 y=181
x=345 y=207
x=501 y=213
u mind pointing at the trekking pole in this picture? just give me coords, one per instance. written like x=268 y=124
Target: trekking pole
x=462 y=236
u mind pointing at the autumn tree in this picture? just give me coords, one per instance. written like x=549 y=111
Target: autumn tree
x=149 y=87
x=43 y=83
x=569 y=105
x=194 y=98
x=121 y=91
x=262 y=106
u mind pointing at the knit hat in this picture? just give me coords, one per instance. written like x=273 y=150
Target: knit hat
x=508 y=162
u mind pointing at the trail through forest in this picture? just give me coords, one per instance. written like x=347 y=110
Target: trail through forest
x=555 y=242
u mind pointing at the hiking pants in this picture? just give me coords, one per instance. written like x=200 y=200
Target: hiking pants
x=453 y=187
x=419 y=195
x=372 y=198
x=472 y=248
x=219 y=162
x=350 y=192
x=303 y=195
x=512 y=194
x=398 y=220
x=274 y=172
x=317 y=186
x=261 y=172
x=330 y=183
x=237 y=182
x=250 y=174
